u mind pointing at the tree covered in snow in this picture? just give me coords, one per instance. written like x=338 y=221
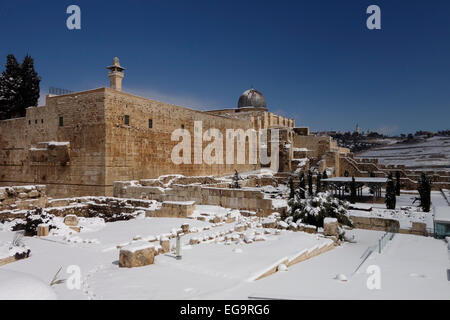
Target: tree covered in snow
x=235 y=184
x=19 y=87
x=32 y=220
x=425 y=192
x=310 y=183
x=315 y=209
x=319 y=183
x=291 y=188
x=324 y=183
x=302 y=187
x=390 y=199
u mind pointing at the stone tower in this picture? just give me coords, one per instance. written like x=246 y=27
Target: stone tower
x=115 y=75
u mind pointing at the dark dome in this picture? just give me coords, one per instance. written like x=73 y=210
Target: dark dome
x=252 y=98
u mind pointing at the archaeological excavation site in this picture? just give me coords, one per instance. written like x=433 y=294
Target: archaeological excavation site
x=167 y=175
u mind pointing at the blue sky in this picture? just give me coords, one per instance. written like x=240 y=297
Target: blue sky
x=314 y=61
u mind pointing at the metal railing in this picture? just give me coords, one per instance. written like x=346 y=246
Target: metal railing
x=58 y=91
x=388 y=236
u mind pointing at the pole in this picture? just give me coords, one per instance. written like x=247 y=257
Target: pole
x=178 y=247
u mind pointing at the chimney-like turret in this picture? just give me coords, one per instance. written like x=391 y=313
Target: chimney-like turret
x=115 y=75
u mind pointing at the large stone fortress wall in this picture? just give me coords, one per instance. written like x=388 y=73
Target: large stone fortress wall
x=81 y=143
x=92 y=146
x=136 y=151
x=68 y=157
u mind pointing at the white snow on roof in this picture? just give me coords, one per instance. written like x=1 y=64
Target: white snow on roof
x=442 y=214
x=357 y=179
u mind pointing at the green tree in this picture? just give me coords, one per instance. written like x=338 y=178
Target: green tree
x=390 y=199
x=10 y=86
x=29 y=90
x=19 y=87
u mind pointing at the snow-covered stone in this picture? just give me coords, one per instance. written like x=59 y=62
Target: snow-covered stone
x=136 y=255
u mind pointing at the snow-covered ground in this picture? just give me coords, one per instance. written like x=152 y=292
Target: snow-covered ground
x=405 y=211
x=411 y=267
x=220 y=262
x=225 y=264
x=431 y=153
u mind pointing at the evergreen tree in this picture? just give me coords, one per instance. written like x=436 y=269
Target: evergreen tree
x=319 y=183
x=425 y=192
x=397 y=184
x=291 y=189
x=371 y=190
x=353 y=190
x=19 y=87
x=302 y=186
x=30 y=85
x=310 y=183
x=324 y=183
x=235 y=184
x=10 y=86
x=390 y=193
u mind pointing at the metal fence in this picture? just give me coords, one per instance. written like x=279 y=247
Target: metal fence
x=388 y=236
x=58 y=91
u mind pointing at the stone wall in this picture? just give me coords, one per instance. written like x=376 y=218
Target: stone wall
x=371 y=223
x=78 y=144
x=244 y=199
x=22 y=197
x=60 y=145
x=136 y=151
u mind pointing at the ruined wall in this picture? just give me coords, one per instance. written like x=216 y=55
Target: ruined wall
x=244 y=199
x=72 y=166
x=22 y=197
x=136 y=151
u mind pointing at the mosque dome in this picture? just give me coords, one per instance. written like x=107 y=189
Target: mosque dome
x=252 y=98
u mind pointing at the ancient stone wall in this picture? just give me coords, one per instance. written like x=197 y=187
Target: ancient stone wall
x=244 y=199
x=136 y=151
x=60 y=145
x=22 y=197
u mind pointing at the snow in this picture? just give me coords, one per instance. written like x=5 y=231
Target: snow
x=431 y=153
x=357 y=179
x=412 y=267
x=442 y=214
x=20 y=286
x=184 y=203
x=137 y=246
x=329 y=220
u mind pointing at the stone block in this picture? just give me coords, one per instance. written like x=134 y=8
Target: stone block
x=43 y=230
x=330 y=227
x=165 y=245
x=185 y=228
x=71 y=220
x=136 y=256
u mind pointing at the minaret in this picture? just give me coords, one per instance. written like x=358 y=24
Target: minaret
x=115 y=75
x=357 y=128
